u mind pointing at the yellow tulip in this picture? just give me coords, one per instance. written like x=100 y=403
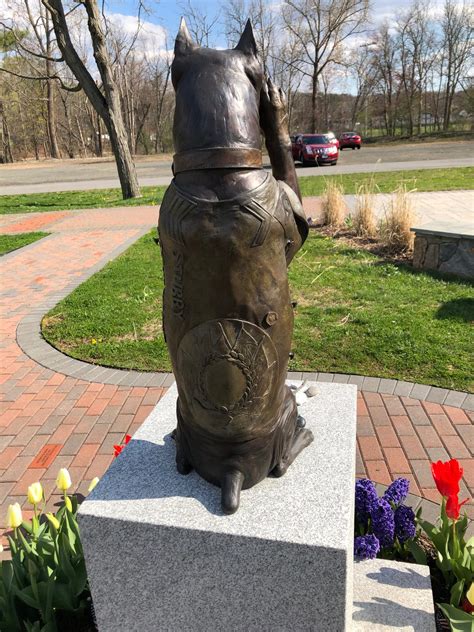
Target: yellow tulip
x=53 y=520
x=470 y=594
x=94 y=482
x=63 y=480
x=14 y=516
x=35 y=493
x=1 y=548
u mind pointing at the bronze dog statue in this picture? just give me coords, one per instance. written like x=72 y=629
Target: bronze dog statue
x=228 y=231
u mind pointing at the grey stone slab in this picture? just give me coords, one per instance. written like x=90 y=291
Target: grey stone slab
x=326 y=377
x=446 y=229
x=64 y=364
x=152 y=379
x=455 y=398
x=141 y=378
x=420 y=391
x=114 y=376
x=124 y=379
x=468 y=403
x=168 y=380
x=94 y=373
x=282 y=562
x=403 y=389
x=437 y=395
x=356 y=379
x=387 y=386
x=295 y=375
x=429 y=510
x=156 y=379
x=392 y=595
x=413 y=501
x=371 y=384
x=341 y=378
x=311 y=377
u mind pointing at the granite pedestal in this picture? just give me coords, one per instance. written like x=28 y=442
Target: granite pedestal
x=392 y=596
x=161 y=555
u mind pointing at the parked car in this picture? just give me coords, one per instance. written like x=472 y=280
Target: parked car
x=333 y=139
x=350 y=139
x=310 y=149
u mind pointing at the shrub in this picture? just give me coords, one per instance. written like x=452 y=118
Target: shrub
x=364 y=218
x=333 y=205
x=399 y=217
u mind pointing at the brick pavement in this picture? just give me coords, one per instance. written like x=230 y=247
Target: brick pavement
x=51 y=420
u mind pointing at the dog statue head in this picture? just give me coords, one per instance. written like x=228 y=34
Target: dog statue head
x=217 y=94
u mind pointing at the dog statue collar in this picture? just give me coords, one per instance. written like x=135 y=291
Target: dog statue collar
x=217 y=158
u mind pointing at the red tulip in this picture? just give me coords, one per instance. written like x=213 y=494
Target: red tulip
x=453 y=507
x=467 y=606
x=119 y=448
x=447 y=476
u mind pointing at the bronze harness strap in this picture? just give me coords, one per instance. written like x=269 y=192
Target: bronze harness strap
x=217 y=158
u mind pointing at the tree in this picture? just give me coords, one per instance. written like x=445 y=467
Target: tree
x=385 y=58
x=33 y=43
x=200 y=26
x=417 y=46
x=264 y=24
x=457 y=26
x=106 y=101
x=321 y=27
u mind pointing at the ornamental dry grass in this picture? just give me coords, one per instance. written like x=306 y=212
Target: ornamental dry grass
x=333 y=205
x=399 y=217
x=364 y=221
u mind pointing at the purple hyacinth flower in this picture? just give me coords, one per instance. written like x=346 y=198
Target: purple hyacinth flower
x=405 y=528
x=366 y=547
x=383 y=523
x=366 y=499
x=397 y=491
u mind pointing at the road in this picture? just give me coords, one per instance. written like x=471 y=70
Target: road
x=73 y=175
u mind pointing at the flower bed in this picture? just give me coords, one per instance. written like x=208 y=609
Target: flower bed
x=44 y=587
x=386 y=528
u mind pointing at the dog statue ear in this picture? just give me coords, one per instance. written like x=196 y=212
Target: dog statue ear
x=247 y=43
x=183 y=43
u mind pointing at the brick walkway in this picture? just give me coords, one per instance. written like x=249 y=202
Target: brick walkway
x=51 y=420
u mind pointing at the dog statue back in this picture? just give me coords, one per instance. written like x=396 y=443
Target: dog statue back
x=228 y=230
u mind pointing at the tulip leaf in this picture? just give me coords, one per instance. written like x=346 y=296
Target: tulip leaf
x=417 y=552
x=27 y=526
x=7 y=574
x=26 y=596
x=62 y=597
x=459 y=620
x=456 y=592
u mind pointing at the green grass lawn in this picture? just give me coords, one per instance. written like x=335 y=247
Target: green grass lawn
x=356 y=314
x=13 y=242
x=386 y=181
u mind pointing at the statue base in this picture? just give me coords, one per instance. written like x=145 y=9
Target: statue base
x=160 y=553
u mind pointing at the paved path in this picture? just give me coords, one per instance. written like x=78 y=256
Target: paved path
x=67 y=175
x=51 y=420
x=451 y=208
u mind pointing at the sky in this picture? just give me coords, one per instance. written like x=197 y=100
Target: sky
x=166 y=13
x=160 y=22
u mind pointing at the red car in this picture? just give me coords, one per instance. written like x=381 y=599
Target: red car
x=314 y=149
x=350 y=139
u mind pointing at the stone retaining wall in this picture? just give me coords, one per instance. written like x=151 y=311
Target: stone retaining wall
x=453 y=254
